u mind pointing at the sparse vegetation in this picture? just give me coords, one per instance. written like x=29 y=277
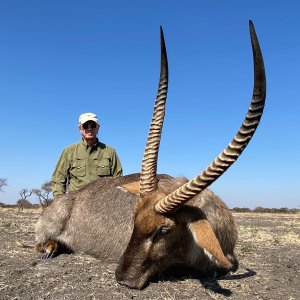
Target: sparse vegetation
x=241 y=209
x=259 y=209
x=12 y=206
x=252 y=230
x=4 y=224
x=24 y=193
x=268 y=250
x=23 y=203
x=3 y=182
x=246 y=248
x=44 y=194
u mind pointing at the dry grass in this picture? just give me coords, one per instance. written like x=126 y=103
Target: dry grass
x=268 y=249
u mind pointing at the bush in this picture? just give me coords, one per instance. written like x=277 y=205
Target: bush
x=23 y=203
x=241 y=209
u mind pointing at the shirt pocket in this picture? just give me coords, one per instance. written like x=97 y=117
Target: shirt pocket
x=103 y=167
x=78 y=168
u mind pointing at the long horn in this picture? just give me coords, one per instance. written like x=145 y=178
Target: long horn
x=148 y=182
x=173 y=201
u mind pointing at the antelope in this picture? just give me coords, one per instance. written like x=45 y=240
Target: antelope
x=148 y=222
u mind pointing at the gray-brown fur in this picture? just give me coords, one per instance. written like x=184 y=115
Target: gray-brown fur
x=95 y=220
x=98 y=220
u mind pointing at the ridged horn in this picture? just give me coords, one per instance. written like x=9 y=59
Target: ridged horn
x=148 y=182
x=173 y=201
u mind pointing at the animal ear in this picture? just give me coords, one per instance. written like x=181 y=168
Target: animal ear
x=205 y=238
x=132 y=187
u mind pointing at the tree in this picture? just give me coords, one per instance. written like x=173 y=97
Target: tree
x=44 y=193
x=24 y=193
x=3 y=182
x=23 y=203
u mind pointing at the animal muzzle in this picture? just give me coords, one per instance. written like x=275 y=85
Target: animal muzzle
x=135 y=269
x=132 y=277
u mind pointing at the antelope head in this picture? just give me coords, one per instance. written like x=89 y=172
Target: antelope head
x=167 y=230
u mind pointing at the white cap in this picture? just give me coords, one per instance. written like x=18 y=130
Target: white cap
x=88 y=117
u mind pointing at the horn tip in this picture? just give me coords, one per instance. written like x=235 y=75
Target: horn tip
x=251 y=27
x=161 y=31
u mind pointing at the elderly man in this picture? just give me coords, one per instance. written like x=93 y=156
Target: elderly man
x=85 y=161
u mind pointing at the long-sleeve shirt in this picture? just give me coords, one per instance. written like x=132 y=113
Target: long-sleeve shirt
x=81 y=164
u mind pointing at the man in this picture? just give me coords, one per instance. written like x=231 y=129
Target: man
x=86 y=161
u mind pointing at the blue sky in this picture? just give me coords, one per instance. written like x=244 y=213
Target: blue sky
x=59 y=59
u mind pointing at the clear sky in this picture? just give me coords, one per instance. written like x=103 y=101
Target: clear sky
x=59 y=59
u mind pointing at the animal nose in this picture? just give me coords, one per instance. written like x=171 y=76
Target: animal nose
x=126 y=283
x=131 y=284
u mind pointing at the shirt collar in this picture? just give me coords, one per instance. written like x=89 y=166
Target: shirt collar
x=87 y=146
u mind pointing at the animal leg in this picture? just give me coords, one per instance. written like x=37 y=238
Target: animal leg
x=48 y=249
x=235 y=265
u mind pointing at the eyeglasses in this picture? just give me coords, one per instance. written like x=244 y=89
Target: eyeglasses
x=89 y=126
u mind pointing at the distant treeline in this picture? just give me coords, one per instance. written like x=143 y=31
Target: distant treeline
x=260 y=209
x=23 y=204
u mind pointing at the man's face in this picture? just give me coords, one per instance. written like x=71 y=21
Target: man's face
x=89 y=130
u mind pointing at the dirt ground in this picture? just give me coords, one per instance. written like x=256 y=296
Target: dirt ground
x=268 y=251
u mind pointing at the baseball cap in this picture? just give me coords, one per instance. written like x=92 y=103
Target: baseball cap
x=88 y=117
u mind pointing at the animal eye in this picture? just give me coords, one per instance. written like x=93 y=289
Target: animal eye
x=160 y=232
x=164 y=230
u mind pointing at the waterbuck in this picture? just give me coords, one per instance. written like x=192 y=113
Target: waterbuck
x=149 y=222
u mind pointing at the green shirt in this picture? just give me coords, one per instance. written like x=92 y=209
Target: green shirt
x=80 y=164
